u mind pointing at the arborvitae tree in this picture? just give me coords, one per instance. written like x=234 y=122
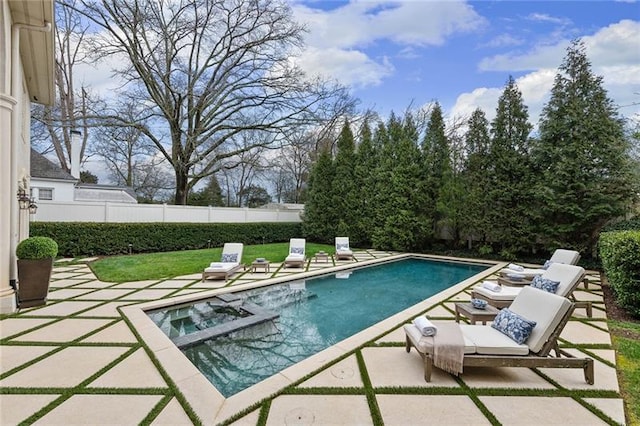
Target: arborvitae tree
x=509 y=194
x=437 y=166
x=476 y=178
x=583 y=156
x=364 y=181
x=345 y=194
x=450 y=206
x=319 y=219
x=380 y=178
x=398 y=226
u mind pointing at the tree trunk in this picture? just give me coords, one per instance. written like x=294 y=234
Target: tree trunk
x=182 y=188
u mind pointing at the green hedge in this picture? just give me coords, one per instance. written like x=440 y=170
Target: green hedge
x=632 y=224
x=95 y=239
x=620 y=254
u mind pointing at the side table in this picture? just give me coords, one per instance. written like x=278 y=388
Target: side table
x=321 y=256
x=264 y=264
x=474 y=314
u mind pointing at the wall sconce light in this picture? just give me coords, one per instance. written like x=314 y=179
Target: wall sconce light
x=33 y=207
x=26 y=203
x=23 y=200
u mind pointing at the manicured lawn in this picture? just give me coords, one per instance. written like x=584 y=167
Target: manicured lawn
x=626 y=340
x=152 y=266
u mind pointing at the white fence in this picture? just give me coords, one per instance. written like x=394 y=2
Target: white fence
x=128 y=213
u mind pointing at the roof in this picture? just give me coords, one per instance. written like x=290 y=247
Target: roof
x=95 y=186
x=43 y=168
x=36 y=47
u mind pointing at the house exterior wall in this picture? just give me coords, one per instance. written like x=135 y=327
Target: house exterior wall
x=7 y=107
x=15 y=120
x=62 y=190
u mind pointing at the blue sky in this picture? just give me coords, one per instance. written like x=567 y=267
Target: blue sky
x=394 y=54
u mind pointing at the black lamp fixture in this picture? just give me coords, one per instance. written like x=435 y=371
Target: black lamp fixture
x=25 y=202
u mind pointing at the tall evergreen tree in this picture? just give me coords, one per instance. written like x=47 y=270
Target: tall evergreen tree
x=319 y=217
x=583 y=156
x=345 y=194
x=364 y=181
x=437 y=166
x=510 y=192
x=398 y=226
x=476 y=178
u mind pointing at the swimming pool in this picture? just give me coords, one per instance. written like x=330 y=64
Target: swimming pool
x=240 y=339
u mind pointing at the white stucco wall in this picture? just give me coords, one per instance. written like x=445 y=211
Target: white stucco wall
x=62 y=190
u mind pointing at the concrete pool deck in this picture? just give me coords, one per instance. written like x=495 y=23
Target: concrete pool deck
x=79 y=360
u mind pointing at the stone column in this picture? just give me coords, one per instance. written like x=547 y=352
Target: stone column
x=7 y=294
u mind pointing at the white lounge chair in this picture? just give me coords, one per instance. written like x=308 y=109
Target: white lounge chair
x=343 y=252
x=569 y=276
x=296 y=257
x=485 y=346
x=568 y=257
x=230 y=263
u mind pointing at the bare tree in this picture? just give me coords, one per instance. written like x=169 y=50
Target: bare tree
x=52 y=125
x=241 y=171
x=209 y=70
x=131 y=157
x=294 y=163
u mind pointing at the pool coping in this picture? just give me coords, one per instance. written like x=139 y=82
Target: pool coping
x=203 y=397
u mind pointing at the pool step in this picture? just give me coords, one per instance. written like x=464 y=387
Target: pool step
x=257 y=315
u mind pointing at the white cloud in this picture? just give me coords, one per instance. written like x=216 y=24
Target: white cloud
x=503 y=40
x=343 y=34
x=615 y=44
x=613 y=53
x=543 y=17
x=349 y=67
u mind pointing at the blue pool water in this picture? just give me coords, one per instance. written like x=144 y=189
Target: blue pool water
x=238 y=340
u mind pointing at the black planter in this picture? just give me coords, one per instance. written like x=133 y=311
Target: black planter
x=33 y=281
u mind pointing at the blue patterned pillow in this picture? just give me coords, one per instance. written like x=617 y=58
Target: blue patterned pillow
x=547 y=264
x=545 y=284
x=297 y=250
x=513 y=325
x=342 y=246
x=229 y=258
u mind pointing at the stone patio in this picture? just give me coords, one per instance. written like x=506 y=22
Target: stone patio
x=80 y=360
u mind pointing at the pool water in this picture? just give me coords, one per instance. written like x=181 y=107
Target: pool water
x=294 y=320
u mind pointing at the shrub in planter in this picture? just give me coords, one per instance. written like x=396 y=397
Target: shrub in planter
x=35 y=263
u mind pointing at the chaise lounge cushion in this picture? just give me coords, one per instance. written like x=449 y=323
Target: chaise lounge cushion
x=489 y=341
x=221 y=266
x=425 y=344
x=546 y=309
x=568 y=257
x=506 y=293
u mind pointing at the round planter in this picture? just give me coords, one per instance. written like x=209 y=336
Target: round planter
x=33 y=281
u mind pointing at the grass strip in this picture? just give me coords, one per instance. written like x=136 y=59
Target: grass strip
x=151 y=416
x=374 y=409
x=264 y=413
x=474 y=397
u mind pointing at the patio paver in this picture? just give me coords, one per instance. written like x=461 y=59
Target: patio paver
x=111 y=396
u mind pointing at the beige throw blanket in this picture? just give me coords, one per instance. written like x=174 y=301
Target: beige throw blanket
x=448 y=347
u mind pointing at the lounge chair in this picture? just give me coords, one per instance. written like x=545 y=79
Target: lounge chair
x=230 y=263
x=485 y=346
x=523 y=276
x=296 y=257
x=569 y=276
x=343 y=252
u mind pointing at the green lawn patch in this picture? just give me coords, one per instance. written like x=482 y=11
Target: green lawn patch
x=154 y=266
x=626 y=340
